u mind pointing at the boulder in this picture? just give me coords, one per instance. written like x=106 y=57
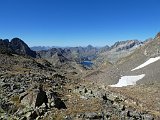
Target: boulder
x=147 y=117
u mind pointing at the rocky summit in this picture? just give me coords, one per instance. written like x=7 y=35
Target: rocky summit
x=52 y=84
x=16 y=46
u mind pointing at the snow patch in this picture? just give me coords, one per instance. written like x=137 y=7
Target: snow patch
x=151 y=60
x=128 y=80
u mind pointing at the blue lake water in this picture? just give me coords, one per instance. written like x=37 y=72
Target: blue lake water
x=87 y=63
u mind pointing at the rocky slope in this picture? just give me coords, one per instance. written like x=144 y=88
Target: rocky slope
x=146 y=91
x=56 y=55
x=118 y=50
x=19 y=80
x=125 y=65
x=71 y=93
x=149 y=50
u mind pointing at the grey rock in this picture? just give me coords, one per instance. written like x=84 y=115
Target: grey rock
x=147 y=117
x=93 y=115
x=134 y=114
x=124 y=113
x=112 y=97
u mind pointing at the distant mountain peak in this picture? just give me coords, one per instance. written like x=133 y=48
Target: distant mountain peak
x=124 y=45
x=90 y=46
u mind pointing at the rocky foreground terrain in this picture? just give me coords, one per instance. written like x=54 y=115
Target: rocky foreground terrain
x=51 y=85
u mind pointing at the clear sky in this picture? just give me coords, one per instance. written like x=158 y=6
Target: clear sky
x=78 y=22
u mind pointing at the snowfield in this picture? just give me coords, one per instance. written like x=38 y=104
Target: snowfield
x=131 y=80
x=151 y=60
x=128 y=80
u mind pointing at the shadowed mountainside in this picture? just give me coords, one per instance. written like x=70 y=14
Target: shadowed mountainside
x=16 y=46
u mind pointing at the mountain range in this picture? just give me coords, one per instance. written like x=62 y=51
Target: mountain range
x=113 y=53
x=123 y=82
x=78 y=54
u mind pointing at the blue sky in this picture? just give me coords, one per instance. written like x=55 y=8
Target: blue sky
x=78 y=22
